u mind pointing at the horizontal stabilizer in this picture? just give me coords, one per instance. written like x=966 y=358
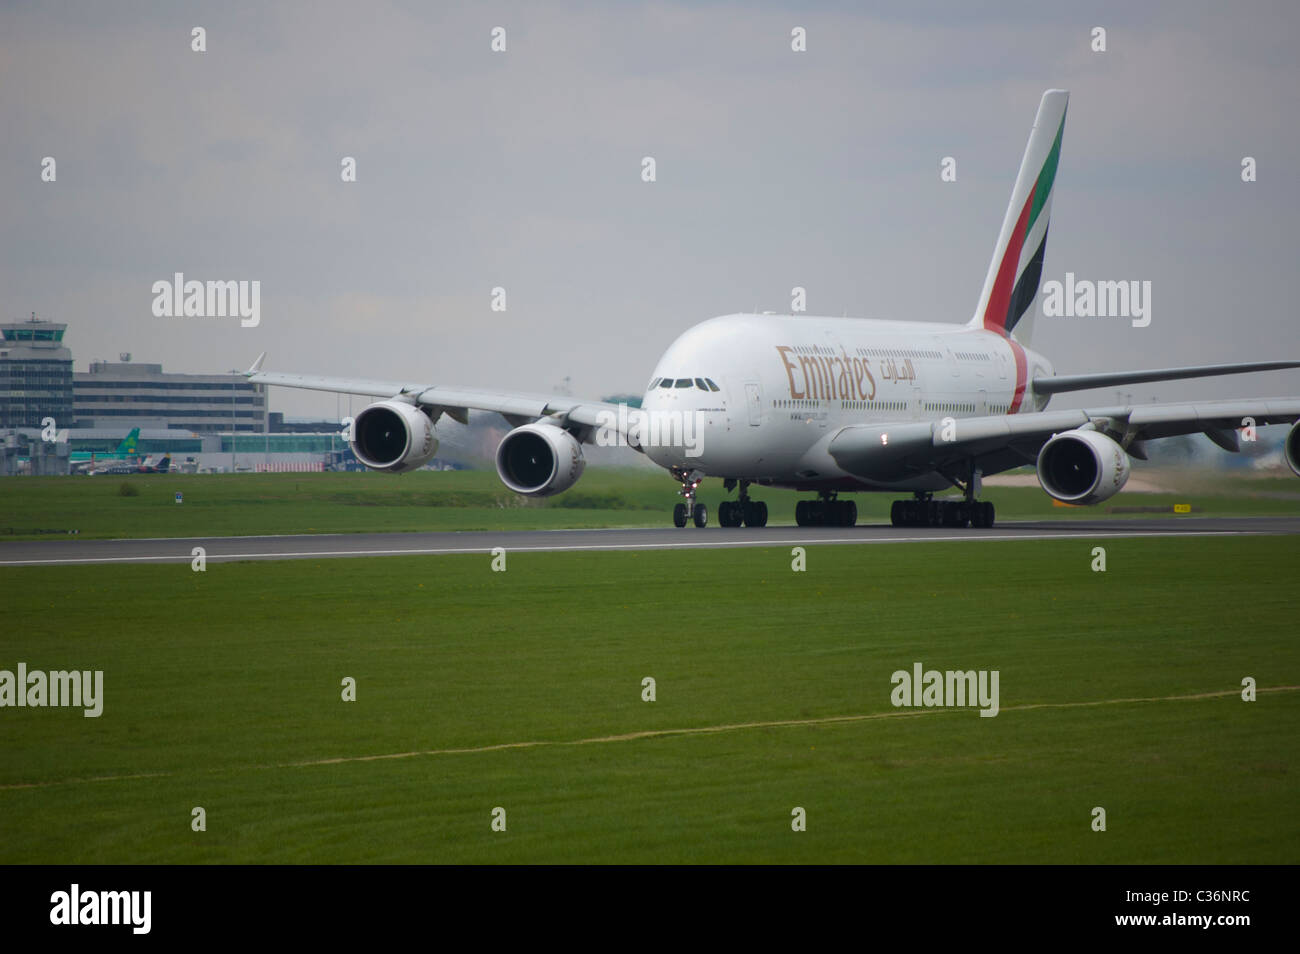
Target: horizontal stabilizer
x=1112 y=379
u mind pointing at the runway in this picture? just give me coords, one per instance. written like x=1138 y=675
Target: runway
x=333 y=546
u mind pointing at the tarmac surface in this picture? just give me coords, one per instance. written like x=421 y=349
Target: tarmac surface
x=71 y=552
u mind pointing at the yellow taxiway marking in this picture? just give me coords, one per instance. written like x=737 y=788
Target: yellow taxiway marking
x=662 y=733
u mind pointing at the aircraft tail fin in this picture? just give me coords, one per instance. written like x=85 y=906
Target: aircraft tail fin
x=128 y=444
x=1011 y=284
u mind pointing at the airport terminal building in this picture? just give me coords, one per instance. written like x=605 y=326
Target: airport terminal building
x=193 y=417
x=35 y=374
x=120 y=394
x=37 y=381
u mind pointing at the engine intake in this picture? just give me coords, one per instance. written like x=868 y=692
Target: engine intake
x=539 y=460
x=1082 y=467
x=1291 y=448
x=393 y=436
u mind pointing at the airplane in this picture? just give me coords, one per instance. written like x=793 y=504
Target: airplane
x=155 y=465
x=835 y=406
x=150 y=465
x=112 y=467
x=90 y=462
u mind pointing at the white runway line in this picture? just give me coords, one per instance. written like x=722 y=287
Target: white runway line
x=702 y=545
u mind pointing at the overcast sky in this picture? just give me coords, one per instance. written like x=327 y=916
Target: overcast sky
x=522 y=169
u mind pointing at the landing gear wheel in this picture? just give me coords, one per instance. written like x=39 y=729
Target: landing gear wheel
x=826 y=512
x=689 y=509
x=941 y=513
x=734 y=513
x=925 y=512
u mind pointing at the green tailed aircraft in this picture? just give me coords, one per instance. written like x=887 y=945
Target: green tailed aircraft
x=92 y=461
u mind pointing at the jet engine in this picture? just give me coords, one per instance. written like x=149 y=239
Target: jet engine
x=539 y=460
x=393 y=436
x=1291 y=448
x=1082 y=467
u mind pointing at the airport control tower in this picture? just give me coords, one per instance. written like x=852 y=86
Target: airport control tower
x=35 y=374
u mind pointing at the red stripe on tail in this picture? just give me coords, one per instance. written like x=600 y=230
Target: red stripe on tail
x=995 y=315
x=1022 y=375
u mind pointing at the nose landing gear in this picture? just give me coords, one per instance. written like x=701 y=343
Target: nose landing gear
x=690 y=510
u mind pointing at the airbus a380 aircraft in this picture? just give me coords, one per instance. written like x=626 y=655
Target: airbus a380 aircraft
x=832 y=406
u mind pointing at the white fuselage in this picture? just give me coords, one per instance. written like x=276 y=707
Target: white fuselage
x=787 y=384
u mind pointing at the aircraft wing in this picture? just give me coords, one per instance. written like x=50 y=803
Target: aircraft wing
x=1001 y=442
x=517 y=407
x=1113 y=379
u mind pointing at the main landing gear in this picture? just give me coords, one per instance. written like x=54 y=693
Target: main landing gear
x=734 y=513
x=731 y=513
x=690 y=510
x=924 y=511
x=826 y=511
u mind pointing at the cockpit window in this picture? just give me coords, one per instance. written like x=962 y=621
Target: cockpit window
x=702 y=384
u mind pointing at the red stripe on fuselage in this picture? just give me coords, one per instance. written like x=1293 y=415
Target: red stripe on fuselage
x=1021 y=375
x=995 y=313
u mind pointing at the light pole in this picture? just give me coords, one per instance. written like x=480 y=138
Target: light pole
x=232 y=427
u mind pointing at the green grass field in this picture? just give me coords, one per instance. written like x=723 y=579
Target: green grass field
x=242 y=504
x=218 y=684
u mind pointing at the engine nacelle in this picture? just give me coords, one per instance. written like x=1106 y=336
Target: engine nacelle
x=1082 y=467
x=1291 y=448
x=539 y=460
x=393 y=436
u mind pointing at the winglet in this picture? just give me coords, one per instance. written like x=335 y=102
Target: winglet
x=257 y=365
